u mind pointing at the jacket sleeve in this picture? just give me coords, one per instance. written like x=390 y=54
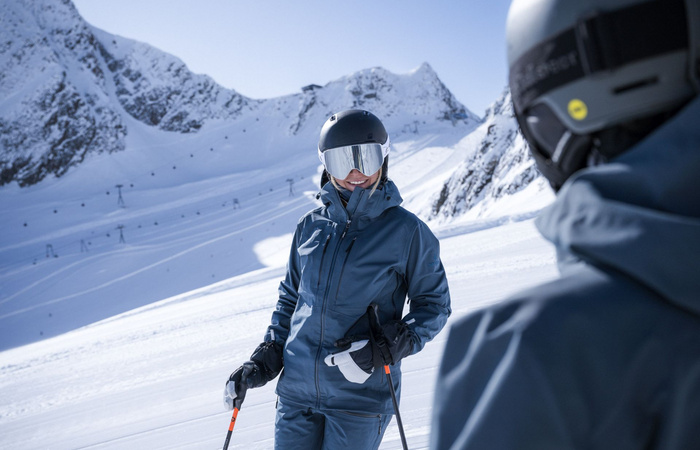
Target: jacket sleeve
x=288 y=295
x=427 y=289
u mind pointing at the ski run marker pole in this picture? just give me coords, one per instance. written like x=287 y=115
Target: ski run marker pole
x=230 y=428
x=387 y=370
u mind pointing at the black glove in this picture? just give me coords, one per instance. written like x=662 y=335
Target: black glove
x=388 y=343
x=237 y=386
x=265 y=364
x=391 y=342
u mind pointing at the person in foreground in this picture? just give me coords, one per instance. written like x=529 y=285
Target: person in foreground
x=607 y=356
x=353 y=263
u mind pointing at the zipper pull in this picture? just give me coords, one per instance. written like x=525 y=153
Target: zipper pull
x=351 y=244
x=347 y=226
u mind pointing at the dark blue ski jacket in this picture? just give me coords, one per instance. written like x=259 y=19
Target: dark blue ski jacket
x=608 y=355
x=341 y=260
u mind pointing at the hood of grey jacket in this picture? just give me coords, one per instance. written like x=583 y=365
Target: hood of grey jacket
x=638 y=215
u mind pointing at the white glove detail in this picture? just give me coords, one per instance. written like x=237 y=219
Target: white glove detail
x=351 y=371
x=228 y=400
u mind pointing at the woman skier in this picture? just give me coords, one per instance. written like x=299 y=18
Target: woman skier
x=354 y=262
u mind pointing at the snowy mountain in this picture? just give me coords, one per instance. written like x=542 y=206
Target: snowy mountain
x=68 y=87
x=54 y=108
x=497 y=165
x=127 y=179
x=147 y=217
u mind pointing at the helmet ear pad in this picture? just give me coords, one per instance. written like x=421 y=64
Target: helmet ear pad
x=573 y=158
x=557 y=152
x=385 y=171
x=325 y=178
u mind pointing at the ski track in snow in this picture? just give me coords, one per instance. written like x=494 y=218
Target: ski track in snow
x=129 y=345
x=153 y=377
x=261 y=219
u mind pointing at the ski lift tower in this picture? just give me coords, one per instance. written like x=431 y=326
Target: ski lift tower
x=120 y=200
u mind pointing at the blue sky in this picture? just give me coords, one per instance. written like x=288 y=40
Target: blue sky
x=270 y=48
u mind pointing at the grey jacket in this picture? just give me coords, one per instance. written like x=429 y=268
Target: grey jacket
x=608 y=355
x=342 y=259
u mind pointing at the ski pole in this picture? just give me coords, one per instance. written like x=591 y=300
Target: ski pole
x=230 y=428
x=378 y=339
x=387 y=370
x=238 y=401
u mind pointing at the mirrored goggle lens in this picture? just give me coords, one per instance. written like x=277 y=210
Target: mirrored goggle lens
x=367 y=158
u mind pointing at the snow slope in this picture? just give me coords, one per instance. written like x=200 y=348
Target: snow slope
x=153 y=377
x=134 y=283
x=197 y=178
x=127 y=371
x=62 y=260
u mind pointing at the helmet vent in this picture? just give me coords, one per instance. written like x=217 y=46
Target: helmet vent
x=636 y=85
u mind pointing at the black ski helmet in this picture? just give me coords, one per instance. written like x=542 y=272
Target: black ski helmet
x=590 y=78
x=353 y=127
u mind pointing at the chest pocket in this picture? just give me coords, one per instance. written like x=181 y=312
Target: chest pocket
x=366 y=274
x=312 y=253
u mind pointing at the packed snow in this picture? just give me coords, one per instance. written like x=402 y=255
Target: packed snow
x=151 y=375
x=133 y=284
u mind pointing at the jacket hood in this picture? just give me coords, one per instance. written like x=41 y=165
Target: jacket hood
x=361 y=203
x=640 y=214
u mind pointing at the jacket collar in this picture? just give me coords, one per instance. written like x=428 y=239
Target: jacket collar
x=361 y=203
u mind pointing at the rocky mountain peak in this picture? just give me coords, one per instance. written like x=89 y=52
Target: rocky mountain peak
x=497 y=164
x=70 y=90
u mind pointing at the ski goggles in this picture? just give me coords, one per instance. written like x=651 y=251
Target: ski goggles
x=367 y=158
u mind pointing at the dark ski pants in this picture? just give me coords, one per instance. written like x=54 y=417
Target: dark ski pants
x=303 y=428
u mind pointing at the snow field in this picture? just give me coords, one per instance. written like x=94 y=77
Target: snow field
x=153 y=377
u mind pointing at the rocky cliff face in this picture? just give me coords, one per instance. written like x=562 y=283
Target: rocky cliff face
x=158 y=89
x=69 y=90
x=401 y=101
x=54 y=110
x=498 y=165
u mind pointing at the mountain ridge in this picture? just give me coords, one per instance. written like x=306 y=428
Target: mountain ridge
x=72 y=84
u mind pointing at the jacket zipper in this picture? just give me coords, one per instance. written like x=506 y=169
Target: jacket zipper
x=323 y=256
x=348 y=222
x=342 y=268
x=323 y=314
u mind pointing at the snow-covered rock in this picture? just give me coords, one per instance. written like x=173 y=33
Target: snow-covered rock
x=67 y=89
x=497 y=165
x=86 y=117
x=54 y=109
